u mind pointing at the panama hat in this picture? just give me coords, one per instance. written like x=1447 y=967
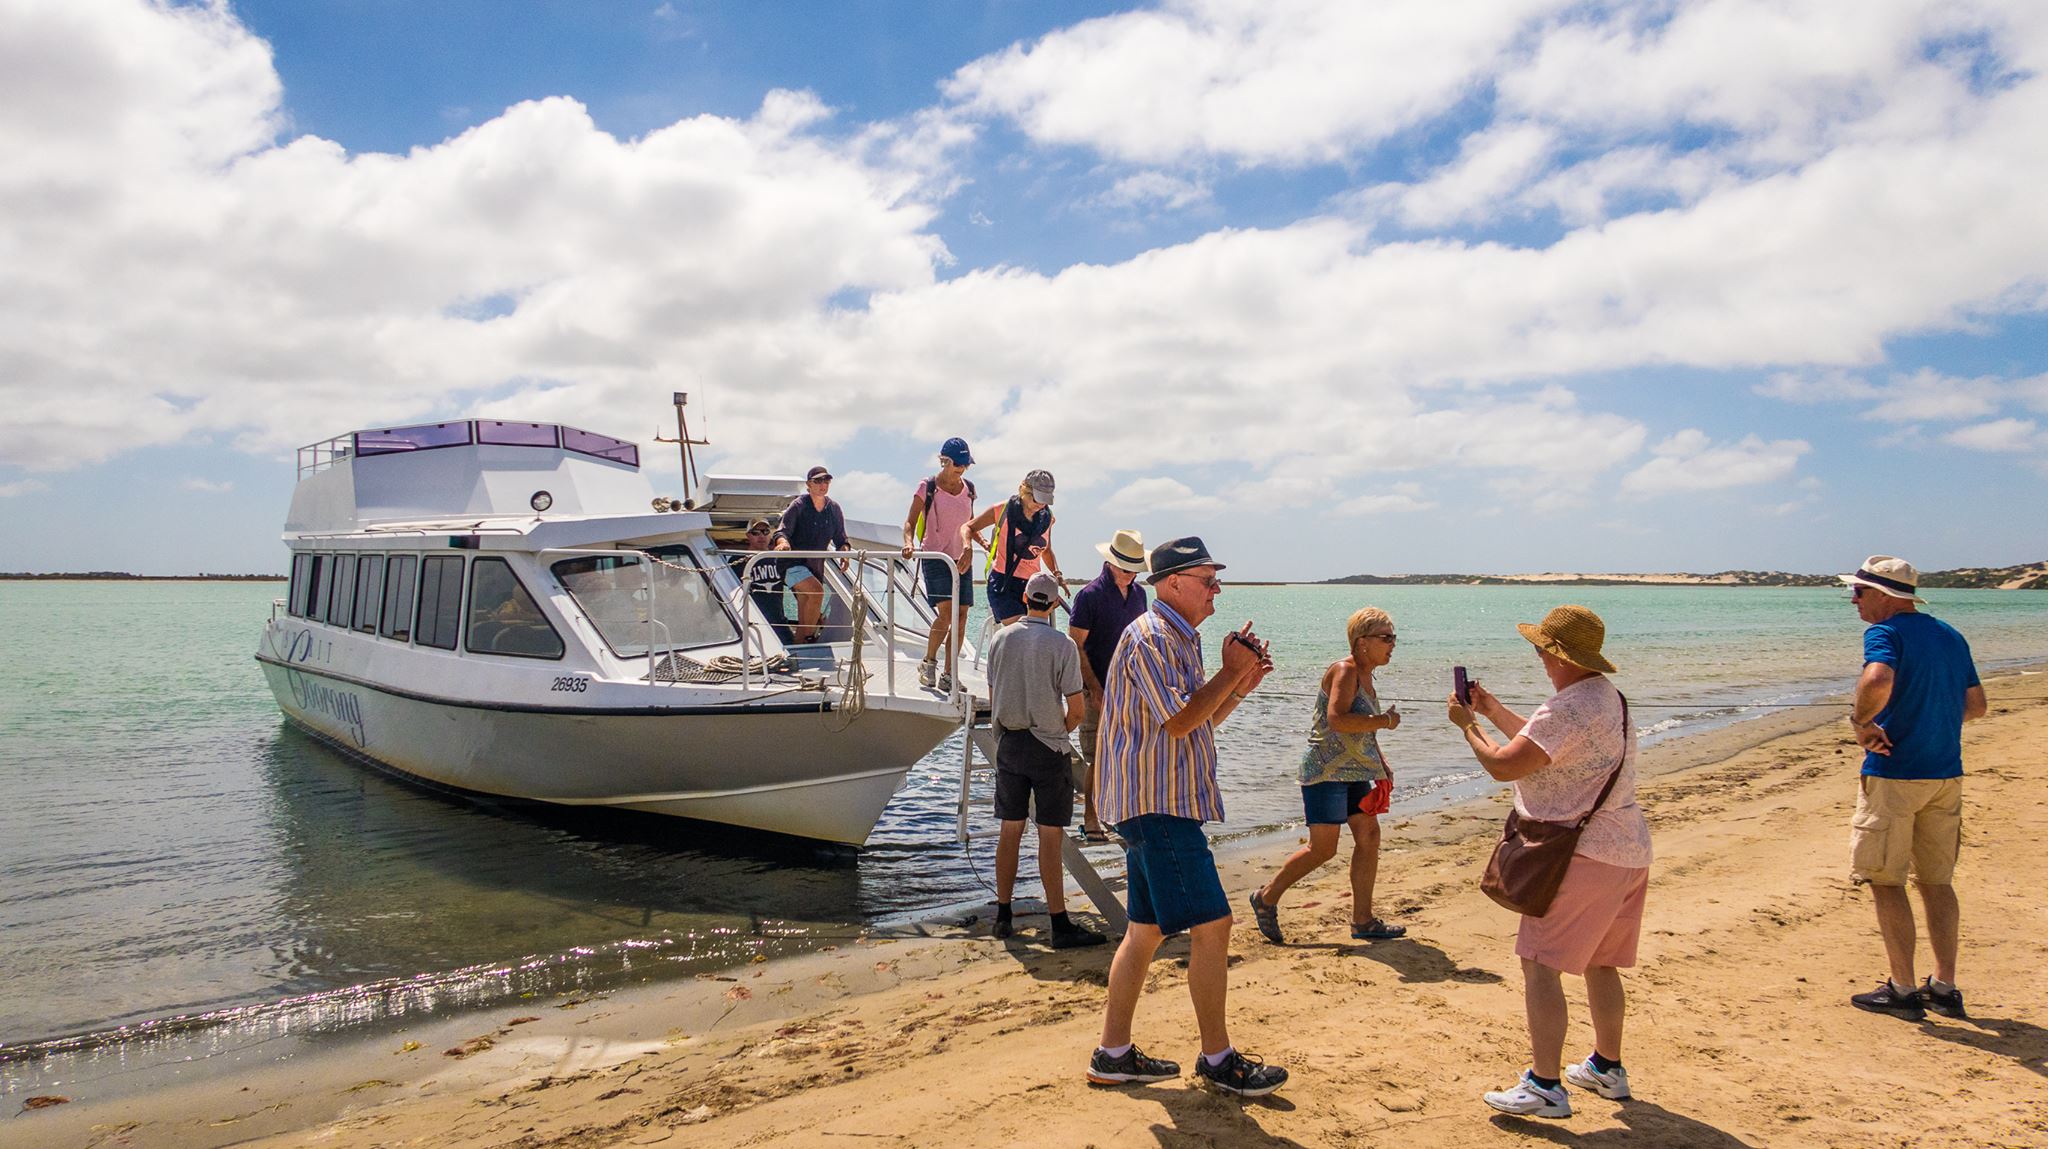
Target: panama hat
x=1125 y=551
x=1572 y=633
x=1895 y=577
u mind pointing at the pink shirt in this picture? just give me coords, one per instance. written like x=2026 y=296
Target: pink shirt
x=1580 y=728
x=942 y=524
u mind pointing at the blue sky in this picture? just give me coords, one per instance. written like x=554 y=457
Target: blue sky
x=1515 y=286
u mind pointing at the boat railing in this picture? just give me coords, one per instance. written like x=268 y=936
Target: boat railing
x=889 y=560
x=322 y=455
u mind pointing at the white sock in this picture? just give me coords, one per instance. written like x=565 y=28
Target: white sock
x=1941 y=986
x=1901 y=990
x=1215 y=1059
x=1119 y=1051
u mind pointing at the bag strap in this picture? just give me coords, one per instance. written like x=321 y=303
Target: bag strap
x=1616 y=776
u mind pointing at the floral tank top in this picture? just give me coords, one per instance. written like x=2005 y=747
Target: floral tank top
x=1333 y=756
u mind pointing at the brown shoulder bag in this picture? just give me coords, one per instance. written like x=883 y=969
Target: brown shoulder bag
x=1529 y=862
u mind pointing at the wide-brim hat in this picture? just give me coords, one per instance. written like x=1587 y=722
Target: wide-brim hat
x=1895 y=577
x=1179 y=555
x=1572 y=633
x=1125 y=551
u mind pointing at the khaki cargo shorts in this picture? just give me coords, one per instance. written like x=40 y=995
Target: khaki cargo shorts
x=1081 y=763
x=1906 y=825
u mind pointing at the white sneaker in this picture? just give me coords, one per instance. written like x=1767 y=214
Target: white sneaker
x=1528 y=1099
x=1613 y=1084
x=927 y=673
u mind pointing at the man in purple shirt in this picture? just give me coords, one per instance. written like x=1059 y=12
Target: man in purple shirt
x=1101 y=611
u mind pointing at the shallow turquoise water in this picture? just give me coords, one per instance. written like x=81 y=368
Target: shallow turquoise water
x=169 y=847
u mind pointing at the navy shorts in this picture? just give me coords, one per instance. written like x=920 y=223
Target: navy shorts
x=1169 y=874
x=1333 y=803
x=938 y=583
x=1027 y=770
x=1005 y=596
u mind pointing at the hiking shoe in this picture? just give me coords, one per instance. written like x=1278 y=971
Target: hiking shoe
x=1613 y=1084
x=927 y=673
x=1076 y=938
x=1132 y=1068
x=1528 y=1099
x=944 y=685
x=1004 y=926
x=1268 y=918
x=1377 y=930
x=1948 y=1004
x=1885 y=999
x=1241 y=1075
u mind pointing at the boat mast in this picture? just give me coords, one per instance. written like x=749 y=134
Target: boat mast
x=683 y=444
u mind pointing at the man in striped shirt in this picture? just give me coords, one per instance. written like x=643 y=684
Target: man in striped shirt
x=1156 y=781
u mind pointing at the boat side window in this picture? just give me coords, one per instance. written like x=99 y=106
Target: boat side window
x=323 y=573
x=503 y=618
x=369 y=591
x=301 y=585
x=440 y=601
x=343 y=597
x=400 y=577
x=622 y=595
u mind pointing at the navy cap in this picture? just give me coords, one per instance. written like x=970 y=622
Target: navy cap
x=816 y=473
x=1180 y=555
x=955 y=451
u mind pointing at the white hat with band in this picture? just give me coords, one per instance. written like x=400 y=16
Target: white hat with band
x=1895 y=577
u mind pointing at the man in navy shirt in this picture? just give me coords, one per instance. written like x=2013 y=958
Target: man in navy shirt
x=1918 y=688
x=1101 y=611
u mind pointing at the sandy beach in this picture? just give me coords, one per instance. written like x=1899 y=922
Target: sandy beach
x=1739 y=1028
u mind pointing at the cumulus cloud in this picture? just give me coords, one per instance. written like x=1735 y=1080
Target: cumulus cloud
x=1690 y=461
x=22 y=487
x=1402 y=498
x=1996 y=435
x=1152 y=190
x=206 y=486
x=1157 y=494
x=1925 y=395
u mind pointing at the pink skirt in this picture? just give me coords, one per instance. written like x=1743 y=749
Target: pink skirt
x=1595 y=920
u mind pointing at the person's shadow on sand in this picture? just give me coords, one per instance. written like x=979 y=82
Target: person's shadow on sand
x=1647 y=1124
x=1202 y=1117
x=2022 y=1041
x=1414 y=960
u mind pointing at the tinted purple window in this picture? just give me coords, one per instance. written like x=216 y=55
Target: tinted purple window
x=515 y=434
x=603 y=446
x=424 y=437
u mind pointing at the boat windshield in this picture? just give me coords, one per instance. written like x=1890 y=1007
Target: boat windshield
x=615 y=593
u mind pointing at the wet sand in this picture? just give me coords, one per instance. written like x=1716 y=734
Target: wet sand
x=1739 y=1028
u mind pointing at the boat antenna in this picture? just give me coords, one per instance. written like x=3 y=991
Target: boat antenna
x=683 y=444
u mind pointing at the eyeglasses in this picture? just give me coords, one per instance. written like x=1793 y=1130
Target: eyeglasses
x=1855 y=592
x=1208 y=582
x=1388 y=637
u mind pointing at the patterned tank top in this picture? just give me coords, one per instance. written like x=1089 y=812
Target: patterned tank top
x=1334 y=756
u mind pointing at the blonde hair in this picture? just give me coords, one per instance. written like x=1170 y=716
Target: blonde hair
x=1364 y=619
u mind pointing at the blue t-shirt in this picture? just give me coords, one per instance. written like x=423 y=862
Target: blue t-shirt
x=1104 y=612
x=1931 y=672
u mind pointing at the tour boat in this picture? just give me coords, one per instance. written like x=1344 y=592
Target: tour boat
x=506 y=609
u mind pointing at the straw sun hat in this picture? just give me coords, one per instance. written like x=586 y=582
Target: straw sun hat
x=1572 y=633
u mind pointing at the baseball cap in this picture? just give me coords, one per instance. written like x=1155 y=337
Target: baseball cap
x=1042 y=588
x=1040 y=483
x=955 y=451
x=816 y=473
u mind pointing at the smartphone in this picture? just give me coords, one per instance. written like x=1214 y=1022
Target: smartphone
x=1461 y=686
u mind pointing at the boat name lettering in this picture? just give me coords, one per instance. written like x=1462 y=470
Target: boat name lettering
x=341 y=705
x=570 y=683
x=305 y=644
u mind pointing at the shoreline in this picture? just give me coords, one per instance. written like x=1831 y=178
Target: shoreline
x=781 y=1017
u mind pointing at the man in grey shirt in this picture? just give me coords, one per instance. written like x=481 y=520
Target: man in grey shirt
x=1034 y=676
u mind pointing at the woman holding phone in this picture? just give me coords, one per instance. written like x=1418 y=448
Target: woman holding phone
x=1344 y=779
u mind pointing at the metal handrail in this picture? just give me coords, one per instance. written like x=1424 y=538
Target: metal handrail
x=888 y=558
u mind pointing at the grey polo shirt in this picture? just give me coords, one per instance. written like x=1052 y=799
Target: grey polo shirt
x=1032 y=670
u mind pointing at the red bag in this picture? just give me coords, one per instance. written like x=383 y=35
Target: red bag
x=1380 y=800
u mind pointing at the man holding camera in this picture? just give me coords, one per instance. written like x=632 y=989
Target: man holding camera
x=1156 y=781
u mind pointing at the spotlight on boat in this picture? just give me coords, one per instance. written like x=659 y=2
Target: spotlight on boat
x=541 y=501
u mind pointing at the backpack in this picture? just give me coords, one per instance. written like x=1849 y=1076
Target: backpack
x=931 y=492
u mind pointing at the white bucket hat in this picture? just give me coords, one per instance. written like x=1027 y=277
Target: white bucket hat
x=1125 y=551
x=1895 y=577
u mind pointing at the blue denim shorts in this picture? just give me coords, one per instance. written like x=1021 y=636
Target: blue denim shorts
x=1005 y=596
x=938 y=584
x=797 y=575
x=1170 y=875
x=1333 y=803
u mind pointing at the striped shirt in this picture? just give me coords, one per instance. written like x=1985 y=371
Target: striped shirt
x=1157 y=667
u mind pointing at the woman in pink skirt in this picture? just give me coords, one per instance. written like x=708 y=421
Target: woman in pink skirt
x=1559 y=758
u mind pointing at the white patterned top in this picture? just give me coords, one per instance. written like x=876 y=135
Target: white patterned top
x=1580 y=727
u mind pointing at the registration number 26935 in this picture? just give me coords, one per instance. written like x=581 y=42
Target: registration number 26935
x=570 y=684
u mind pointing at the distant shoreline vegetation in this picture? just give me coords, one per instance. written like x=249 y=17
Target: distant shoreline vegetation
x=124 y=576
x=2029 y=576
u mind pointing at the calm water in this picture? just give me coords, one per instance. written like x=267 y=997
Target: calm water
x=169 y=848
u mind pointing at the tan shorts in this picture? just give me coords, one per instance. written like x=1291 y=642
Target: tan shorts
x=1085 y=760
x=1906 y=825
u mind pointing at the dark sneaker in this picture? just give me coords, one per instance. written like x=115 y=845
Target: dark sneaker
x=1948 y=1004
x=1268 y=918
x=1241 y=1075
x=1377 y=930
x=1004 y=926
x=1132 y=1068
x=1885 y=999
x=1075 y=938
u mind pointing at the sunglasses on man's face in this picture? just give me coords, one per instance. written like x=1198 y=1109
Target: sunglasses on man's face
x=1208 y=582
x=1855 y=592
x=821 y=482
x=757 y=531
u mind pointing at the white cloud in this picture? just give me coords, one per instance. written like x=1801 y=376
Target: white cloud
x=1490 y=166
x=206 y=486
x=1930 y=395
x=1826 y=387
x=1402 y=498
x=1152 y=190
x=870 y=495
x=1997 y=435
x=1158 y=494
x=22 y=487
x=1689 y=461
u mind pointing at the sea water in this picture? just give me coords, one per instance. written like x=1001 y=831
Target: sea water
x=175 y=859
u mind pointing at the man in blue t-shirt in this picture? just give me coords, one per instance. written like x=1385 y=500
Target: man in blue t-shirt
x=1918 y=688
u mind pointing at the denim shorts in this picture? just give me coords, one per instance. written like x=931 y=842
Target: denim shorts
x=1005 y=596
x=798 y=573
x=1170 y=875
x=938 y=583
x=1333 y=803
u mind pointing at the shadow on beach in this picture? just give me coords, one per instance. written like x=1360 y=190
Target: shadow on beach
x=1201 y=1117
x=1415 y=960
x=1646 y=1124
x=2023 y=1041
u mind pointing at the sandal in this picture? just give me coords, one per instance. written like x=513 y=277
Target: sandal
x=1377 y=930
x=1268 y=918
x=1095 y=837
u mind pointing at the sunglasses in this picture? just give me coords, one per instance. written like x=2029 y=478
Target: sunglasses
x=1209 y=582
x=752 y=531
x=1388 y=637
x=1856 y=592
